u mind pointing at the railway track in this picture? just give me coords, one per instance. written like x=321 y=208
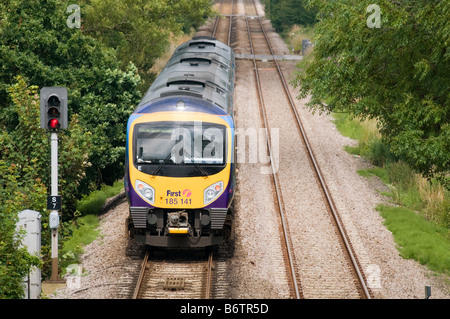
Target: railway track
x=222 y=25
x=336 y=273
x=183 y=274
x=180 y=275
x=289 y=254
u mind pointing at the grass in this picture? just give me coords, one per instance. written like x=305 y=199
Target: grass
x=366 y=133
x=83 y=233
x=411 y=190
x=417 y=238
x=85 y=229
x=420 y=221
x=296 y=35
x=376 y=171
x=92 y=204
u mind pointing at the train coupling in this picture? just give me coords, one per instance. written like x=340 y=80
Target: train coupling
x=177 y=223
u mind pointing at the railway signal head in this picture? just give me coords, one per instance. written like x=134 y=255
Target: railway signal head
x=53 y=108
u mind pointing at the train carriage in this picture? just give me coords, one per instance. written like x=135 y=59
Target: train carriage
x=179 y=168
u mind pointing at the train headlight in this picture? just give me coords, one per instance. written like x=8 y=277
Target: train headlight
x=212 y=192
x=146 y=191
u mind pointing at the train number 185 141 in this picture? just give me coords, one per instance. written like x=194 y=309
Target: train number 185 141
x=176 y=201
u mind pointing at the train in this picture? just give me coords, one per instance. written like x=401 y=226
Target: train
x=180 y=174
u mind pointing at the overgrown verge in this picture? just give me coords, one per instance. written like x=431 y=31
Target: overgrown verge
x=420 y=218
x=85 y=229
x=93 y=203
x=418 y=238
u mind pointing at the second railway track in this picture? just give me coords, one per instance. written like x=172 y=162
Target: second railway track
x=321 y=265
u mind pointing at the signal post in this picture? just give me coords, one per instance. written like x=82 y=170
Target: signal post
x=53 y=108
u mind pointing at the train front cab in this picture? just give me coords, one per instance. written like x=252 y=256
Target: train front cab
x=178 y=205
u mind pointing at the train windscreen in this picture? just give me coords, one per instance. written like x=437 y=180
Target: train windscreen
x=190 y=144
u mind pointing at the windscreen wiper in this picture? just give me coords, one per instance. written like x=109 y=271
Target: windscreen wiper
x=162 y=164
x=196 y=165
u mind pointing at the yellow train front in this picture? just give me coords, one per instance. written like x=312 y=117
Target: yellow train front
x=179 y=167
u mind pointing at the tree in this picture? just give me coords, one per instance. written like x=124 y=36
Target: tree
x=24 y=161
x=286 y=13
x=17 y=192
x=140 y=30
x=36 y=42
x=397 y=73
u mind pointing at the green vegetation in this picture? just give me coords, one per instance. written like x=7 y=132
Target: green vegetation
x=420 y=221
x=37 y=45
x=85 y=229
x=83 y=233
x=141 y=30
x=92 y=203
x=367 y=134
x=376 y=171
x=417 y=238
x=407 y=188
x=396 y=74
x=105 y=65
x=286 y=13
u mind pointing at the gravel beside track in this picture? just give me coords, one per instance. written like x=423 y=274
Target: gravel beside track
x=256 y=270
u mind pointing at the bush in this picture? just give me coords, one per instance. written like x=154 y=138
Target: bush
x=93 y=203
x=286 y=13
x=379 y=153
x=36 y=43
x=19 y=190
x=397 y=74
x=401 y=174
x=427 y=196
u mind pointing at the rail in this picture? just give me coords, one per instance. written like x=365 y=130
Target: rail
x=318 y=172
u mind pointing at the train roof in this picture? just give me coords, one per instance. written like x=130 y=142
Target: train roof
x=201 y=58
x=202 y=62
x=222 y=101
x=199 y=68
x=206 y=44
x=205 y=74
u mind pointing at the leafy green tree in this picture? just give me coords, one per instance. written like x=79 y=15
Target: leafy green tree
x=17 y=191
x=396 y=72
x=25 y=160
x=140 y=30
x=36 y=42
x=286 y=13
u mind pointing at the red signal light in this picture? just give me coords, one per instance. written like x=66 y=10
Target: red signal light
x=53 y=123
x=53 y=106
